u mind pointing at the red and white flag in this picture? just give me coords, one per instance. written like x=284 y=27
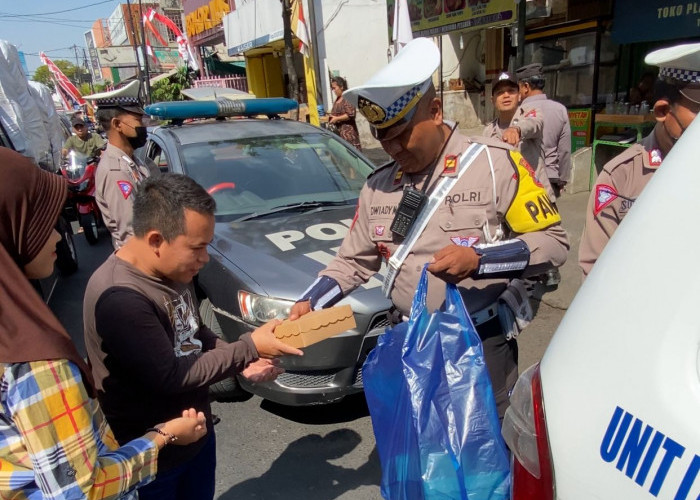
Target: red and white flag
x=183 y=45
x=64 y=86
x=300 y=28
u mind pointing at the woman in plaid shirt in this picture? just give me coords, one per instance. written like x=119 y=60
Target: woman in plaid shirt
x=54 y=440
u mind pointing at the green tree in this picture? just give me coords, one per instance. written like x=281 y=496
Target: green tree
x=169 y=89
x=43 y=75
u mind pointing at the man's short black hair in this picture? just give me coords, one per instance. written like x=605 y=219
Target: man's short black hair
x=160 y=203
x=667 y=90
x=536 y=82
x=104 y=116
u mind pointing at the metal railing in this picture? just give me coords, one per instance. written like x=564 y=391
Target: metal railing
x=230 y=82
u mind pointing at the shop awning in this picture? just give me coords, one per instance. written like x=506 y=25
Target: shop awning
x=654 y=20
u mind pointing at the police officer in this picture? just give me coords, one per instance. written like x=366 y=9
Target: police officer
x=520 y=125
x=497 y=198
x=556 y=131
x=120 y=114
x=523 y=131
x=677 y=94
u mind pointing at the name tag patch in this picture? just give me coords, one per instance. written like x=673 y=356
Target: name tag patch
x=465 y=241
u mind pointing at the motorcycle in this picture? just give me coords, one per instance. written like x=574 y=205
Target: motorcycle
x=79 y=171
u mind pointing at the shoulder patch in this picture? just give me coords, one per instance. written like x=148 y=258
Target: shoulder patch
x=655 y=158
x=126 y=188
x=531 y=114
x=604 y=196
x=531 y=209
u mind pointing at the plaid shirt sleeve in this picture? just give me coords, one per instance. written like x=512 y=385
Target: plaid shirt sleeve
x=55 y=441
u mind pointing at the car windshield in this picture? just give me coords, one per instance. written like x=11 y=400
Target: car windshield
x=260 y=176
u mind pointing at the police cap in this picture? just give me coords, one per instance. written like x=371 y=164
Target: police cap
x=680 y=66
x=503 y=80
x=126 y=98
x=529 y=71
x=390 y=96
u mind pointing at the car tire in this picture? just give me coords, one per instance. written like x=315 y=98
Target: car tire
x=227 y=389
x=66 y=254
x=90 y=228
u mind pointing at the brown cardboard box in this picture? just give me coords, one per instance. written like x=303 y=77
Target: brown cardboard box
x=315 y=326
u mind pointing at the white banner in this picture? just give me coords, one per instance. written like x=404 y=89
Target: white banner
x=115 y=57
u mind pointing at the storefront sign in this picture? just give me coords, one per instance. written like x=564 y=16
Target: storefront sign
x=167 y=57
x=117 y=57
x=253 y=25
x=205 y=16
x=653 y=20
x=94 y=61
x=433 y=17
x=580 y=120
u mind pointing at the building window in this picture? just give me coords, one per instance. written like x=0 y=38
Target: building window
x=176 y=17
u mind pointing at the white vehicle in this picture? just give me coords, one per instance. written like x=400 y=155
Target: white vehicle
x=613 y=409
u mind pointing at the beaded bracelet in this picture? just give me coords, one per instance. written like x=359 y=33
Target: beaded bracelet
x=170 y=438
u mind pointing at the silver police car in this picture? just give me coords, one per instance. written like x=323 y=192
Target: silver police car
x=286 y=193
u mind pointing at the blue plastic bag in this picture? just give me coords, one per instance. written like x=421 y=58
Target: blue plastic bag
x=432 y=407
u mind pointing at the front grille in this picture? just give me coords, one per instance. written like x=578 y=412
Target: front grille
x=358 y=377
x=323 y=378
x=381 y=320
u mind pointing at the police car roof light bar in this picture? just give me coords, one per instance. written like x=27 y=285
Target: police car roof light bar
x=182 y=110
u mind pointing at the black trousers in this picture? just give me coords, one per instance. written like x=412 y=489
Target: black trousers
x=501 y=358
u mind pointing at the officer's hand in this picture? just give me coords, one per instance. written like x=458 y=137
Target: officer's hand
x=511 y=135
x=299 y=309
x=268 y=345
x=263 y=370
x=454 y=263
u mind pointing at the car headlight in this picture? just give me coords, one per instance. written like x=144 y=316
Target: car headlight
x=259 y=309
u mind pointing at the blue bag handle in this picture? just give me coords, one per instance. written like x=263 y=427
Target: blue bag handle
x=454 y=304
x=420 y=297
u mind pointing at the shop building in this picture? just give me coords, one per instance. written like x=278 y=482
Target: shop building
x=115 y=43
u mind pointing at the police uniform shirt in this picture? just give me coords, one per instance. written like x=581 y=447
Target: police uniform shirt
x=462 y=219
x=116 y=179
x=619 y=184
x=529 y=118
x=556 y=137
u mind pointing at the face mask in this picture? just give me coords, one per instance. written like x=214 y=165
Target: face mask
x=140 y=139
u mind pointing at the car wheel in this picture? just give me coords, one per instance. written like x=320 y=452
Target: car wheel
x=66 y=255
x=89 y=224
x=228 y=389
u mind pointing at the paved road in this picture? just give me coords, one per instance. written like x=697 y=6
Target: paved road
x=266 y=451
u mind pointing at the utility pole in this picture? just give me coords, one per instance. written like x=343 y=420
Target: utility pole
x=293 y=82
x=89 y=68
x=522 y=14
x=139 y=73
x=78 y=72
x=145 y=55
